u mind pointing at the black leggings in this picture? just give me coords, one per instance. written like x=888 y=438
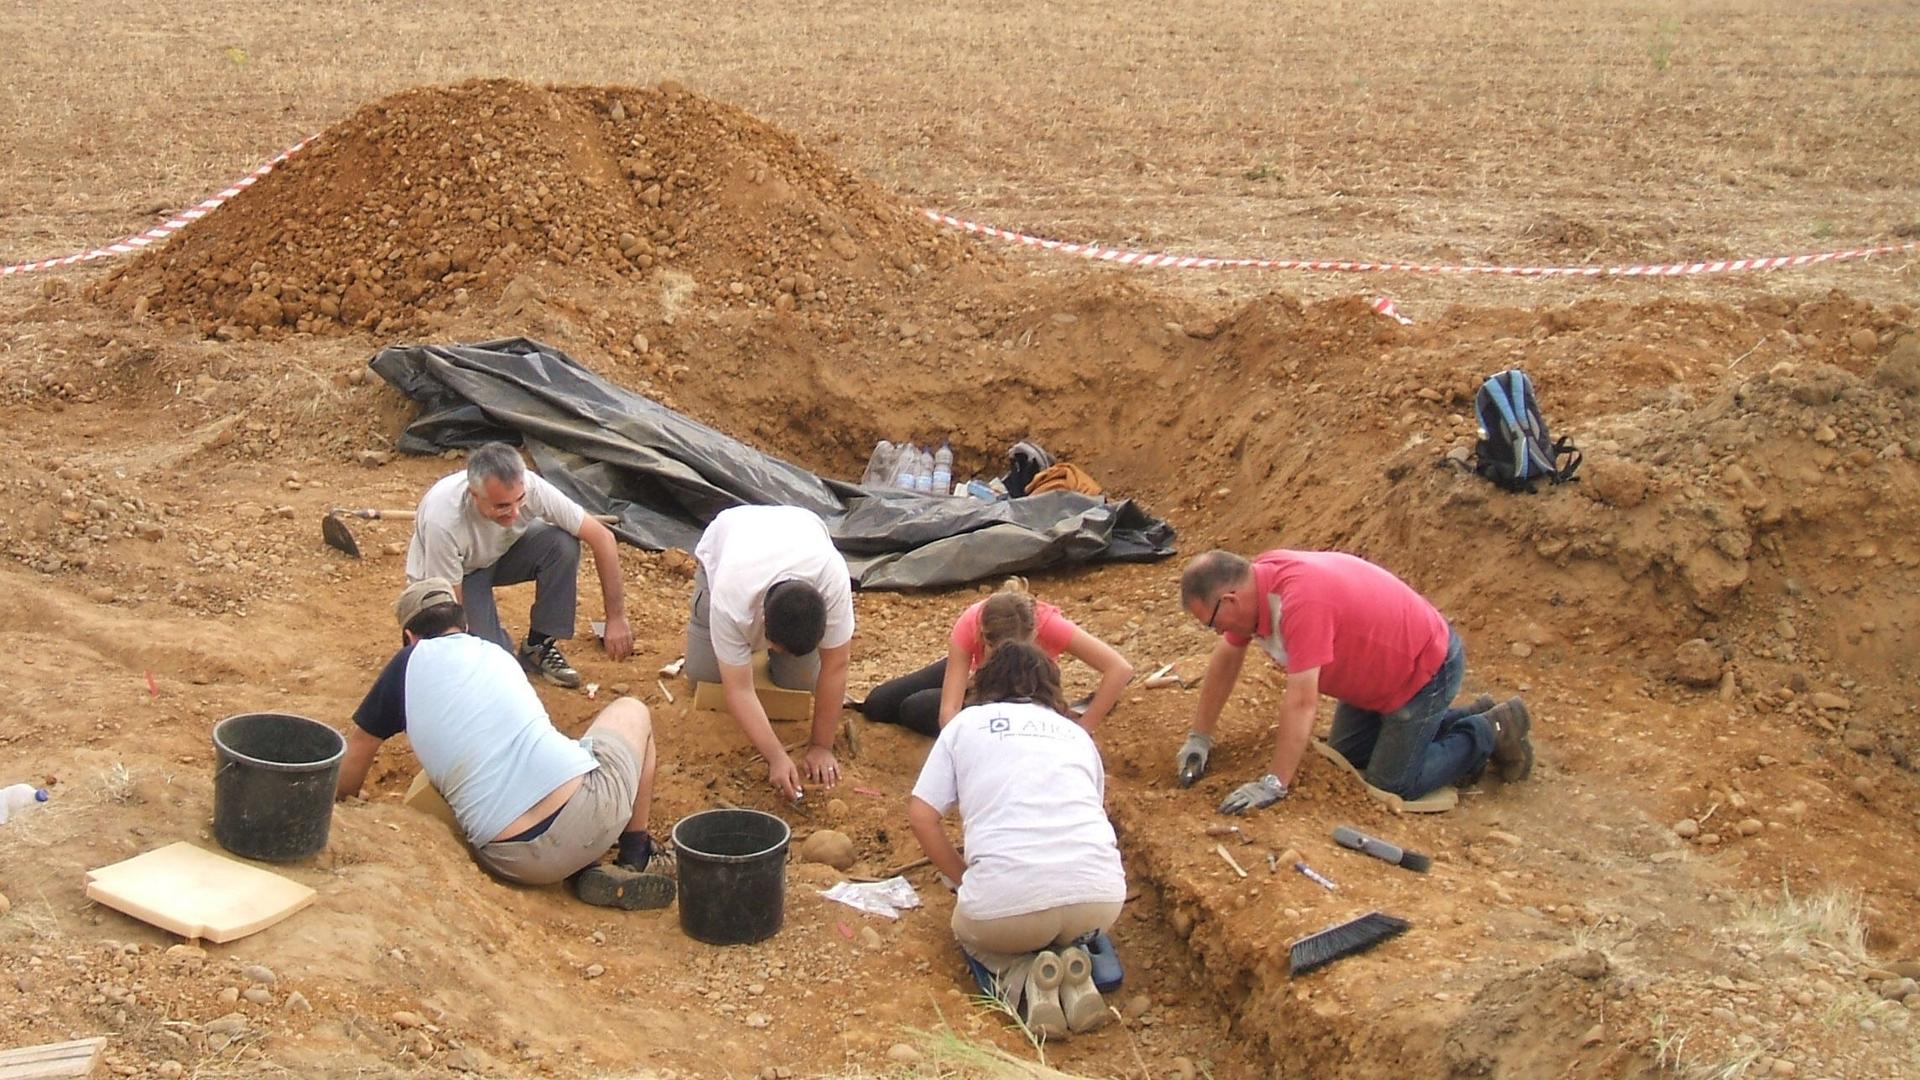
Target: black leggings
x=911 y=701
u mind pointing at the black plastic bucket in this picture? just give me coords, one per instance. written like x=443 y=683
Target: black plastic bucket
x=732 y=866
x=273 y=788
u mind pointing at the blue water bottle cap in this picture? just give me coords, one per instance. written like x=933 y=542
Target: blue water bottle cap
x=40 y=794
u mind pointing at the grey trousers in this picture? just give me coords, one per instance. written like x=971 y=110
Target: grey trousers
x=546 y=555
x=787 y=672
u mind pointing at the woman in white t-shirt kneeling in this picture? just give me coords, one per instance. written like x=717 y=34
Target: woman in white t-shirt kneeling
x=1042 y=868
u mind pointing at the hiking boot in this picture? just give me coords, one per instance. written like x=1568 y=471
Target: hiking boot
x=1079 y=999
x=1040 y=1004
x=1512 y=750
x=546 y=661
x=615 y=886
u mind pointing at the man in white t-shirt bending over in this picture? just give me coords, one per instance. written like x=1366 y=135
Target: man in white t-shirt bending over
x=770 y=579
x=536 y=806
x=498 y=524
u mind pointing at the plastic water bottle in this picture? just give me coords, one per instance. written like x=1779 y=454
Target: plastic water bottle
x=943 y=468
x=880 y=465
x=19 y=797
x=909 y=467
x=923 y=479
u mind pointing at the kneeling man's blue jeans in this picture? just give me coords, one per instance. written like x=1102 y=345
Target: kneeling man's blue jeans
x=1421 y=746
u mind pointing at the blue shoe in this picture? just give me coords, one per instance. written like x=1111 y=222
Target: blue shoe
x=982 y=978
x=1107 y=974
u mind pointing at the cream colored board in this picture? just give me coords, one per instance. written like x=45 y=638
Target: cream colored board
x=1432 y=803
x=50 y=1061
x=196 y=893
x=780 y=703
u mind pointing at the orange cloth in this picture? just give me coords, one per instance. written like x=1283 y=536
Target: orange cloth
x=1065 y=476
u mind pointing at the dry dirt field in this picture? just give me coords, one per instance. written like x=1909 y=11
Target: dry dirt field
x=1712 y=872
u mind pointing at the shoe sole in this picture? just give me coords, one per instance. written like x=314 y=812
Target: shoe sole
x=1513 y=773
x=1080 y=999
x=628 y=890
x=1044 y=1015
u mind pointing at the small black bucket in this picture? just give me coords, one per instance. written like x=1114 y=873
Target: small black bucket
x=273 y=788
x=733 y=875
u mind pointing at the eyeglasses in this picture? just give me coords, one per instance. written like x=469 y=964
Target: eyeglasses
x=1216 y=612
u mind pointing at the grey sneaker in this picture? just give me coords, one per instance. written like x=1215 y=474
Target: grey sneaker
x=1512 y=749
x=615 y=886
x=546 y=661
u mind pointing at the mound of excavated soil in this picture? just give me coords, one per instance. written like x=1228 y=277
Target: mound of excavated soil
x=427 y=200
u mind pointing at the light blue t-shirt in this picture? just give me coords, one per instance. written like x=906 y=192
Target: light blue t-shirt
x=477 y=727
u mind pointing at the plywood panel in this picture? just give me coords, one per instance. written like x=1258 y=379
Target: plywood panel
x=196 y=893
x=51 y=1060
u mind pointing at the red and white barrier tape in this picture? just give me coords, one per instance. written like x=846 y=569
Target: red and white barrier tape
x=159 y=233
x=1383 y=305
x=1126 y=257
x=1118 y=256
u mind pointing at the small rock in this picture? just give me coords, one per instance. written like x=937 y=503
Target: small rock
x=1181 y=1069
x=1589 y=964
x=902 y=1053
x=1898 y=989
x=1698 y=663
x=1136 y=1006
x=836 y=810
x=1906 y=969
x=150 y=532
x=758 y=1020
x=1686 y=828
x=1863 y=787
x=1863 y=341
x=1783 y=1067
x=1821 y=699
x=229 y=995
x=463 y=1060
x=259 y=973
x=1521 y=649
x=870 y=937
x=357 y=376
x=829 y=846
x=405 y=1019
x=229 y=1025
x=297 y=1002
x=1859 y=739
x=373 y=459
x=1504 y=837
x=258 y=995
x=594 y=971
x=1593 y=1036
x=1749 y=827
x=169 y=1070
x=100 y=594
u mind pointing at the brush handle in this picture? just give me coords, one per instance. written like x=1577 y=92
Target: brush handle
x=1349 y=837
x=1315 y=876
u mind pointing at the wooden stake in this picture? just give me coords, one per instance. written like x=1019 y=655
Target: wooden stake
x=1221 y=850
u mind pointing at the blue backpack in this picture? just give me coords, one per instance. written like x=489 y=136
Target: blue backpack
x=1516 y=451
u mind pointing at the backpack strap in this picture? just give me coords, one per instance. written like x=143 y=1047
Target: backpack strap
x=1511 y=422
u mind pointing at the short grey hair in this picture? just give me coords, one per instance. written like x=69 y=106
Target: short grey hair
x=1211 y=574
x=495 y=461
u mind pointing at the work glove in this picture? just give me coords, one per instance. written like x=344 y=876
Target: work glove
x=1192 y=762
x=1254 y=794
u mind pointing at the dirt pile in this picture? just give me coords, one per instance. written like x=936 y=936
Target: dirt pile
x=435 y=198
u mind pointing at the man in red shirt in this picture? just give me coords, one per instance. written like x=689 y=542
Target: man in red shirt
x=1341 y=626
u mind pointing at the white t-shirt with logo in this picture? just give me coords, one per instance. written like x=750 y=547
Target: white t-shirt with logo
x=748 y=550
x=451 y=539
x=1030 y=787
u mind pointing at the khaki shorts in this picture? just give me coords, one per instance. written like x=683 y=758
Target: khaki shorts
x=588 y=824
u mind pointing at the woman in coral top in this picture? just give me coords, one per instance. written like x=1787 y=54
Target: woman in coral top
x=925 y=700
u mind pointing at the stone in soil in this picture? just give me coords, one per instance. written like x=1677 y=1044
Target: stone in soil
x=1698 y=663
x=259 y=973
x=829 y=846
x=902 y=1053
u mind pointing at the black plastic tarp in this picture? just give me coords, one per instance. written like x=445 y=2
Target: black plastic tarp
x=665 y=476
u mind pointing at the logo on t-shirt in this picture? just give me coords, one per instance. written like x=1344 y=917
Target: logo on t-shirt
x=1030 y=726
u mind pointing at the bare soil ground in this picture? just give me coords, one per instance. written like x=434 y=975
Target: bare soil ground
x=717 y=209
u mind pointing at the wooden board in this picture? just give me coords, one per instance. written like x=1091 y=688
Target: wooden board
x=1434 y=802
x=196 y=893
x=49 y=1060
x=424 y=797
x=781 y=704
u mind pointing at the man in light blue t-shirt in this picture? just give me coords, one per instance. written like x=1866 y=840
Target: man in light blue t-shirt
x=536 y=806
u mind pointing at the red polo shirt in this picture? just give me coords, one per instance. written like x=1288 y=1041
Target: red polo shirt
x=1375 y=640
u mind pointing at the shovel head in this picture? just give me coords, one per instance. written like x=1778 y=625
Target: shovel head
x=334 y=532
